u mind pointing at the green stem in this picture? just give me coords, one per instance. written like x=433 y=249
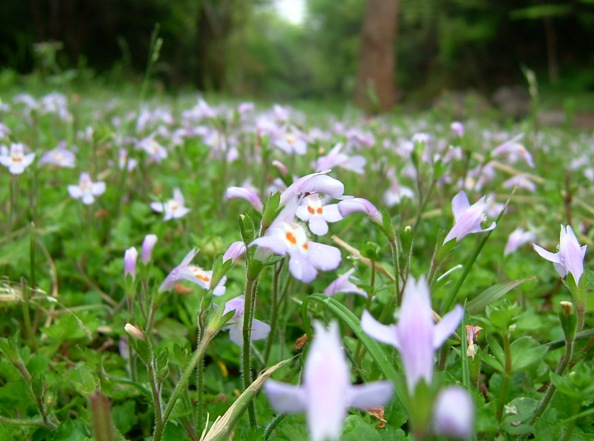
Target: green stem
x=506 y=375
x=156 y=391
x=274 y=315
x=561 y=367
x=248 y=316
x=209 y=333
x=395 y=299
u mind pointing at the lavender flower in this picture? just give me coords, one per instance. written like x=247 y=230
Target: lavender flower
x=260 y=330
x=453 y=413
x=359 y=205
x=416 y=336
x=173 y=208
x=16 y=160
x=317 y=215
x=313 y=183
x=284 y=236
x=468 y=218
x=192 y=273
x=147 y=247
x=343 y=284
x=86 y=190
x=569 y=258
x=130 y=258
x=246 y=192
x=235 y=251
x=457 y=129
x=326 y=393
x=60 y=156
x=516 y=239
x=335 y=158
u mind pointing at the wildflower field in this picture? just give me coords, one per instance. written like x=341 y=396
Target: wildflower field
x=179 y=268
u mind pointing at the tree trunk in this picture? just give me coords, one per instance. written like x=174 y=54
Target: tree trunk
x=376 y=89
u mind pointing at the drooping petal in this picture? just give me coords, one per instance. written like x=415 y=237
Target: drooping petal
x=359 y=205
x=547 y=255
x=271 y=242
x=382 y=333
x=447 y=326
x=318 y=226
x=365 y=396
x=285 y=398
x=302 y=268
x=343 y=284
x=324 y=257
x=157 y=206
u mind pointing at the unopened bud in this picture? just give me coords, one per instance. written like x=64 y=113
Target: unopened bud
x=130 y=258
x=134 y=332
x=567 y=308
x=147 y=247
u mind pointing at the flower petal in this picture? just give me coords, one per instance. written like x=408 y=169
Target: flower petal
x=381 y=333
x=365 y=396
x=285 y=398
x=447 y=326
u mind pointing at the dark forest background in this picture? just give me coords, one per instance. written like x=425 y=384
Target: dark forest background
x=243 y=48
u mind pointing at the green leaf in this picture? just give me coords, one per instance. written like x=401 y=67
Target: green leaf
x=69 y=327
x=226 y=424
x=357 y=429
x=492 y=294
x=525 y=352
x=564 y=386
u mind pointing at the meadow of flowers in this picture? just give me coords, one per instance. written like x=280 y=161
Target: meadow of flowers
x=179 y=269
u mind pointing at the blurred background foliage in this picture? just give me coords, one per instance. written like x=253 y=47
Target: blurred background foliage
x=245 y=48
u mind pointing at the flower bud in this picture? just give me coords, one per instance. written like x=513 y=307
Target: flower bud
x=130 y=258
x=147 y=247
x=453 y=414
x=134 y=332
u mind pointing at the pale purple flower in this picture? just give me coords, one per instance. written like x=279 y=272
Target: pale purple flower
x=16 y=160
x=235 y=251
x=326 y=392
x=516 y=239
x=453 y=413
x=317 y=215
x=313 y=183
x=86 y=190
x=468 y=218
x=246 y=192
x=173 y=208
x=513 y=150
x=396 y=192
x=570 y=257
x=521 y=181
x=359 y=205
x=416 y=335
x=457 y=129
x=306 y=258
x=260 y=330
x=335 y=158
x=280 y=166
x=130 y=258
x=192 y=273
x=245 y=107
x=147 y=247
x=291 y=140
x=155 y=151
x=60 y=156
x=124 y=159
x=343 y=284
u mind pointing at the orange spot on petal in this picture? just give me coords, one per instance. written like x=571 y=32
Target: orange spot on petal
x=310 y=209
x=320 y=210
x=291 y=238
x=305 y=246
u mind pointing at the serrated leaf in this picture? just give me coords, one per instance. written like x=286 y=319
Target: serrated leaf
x=525 y=352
